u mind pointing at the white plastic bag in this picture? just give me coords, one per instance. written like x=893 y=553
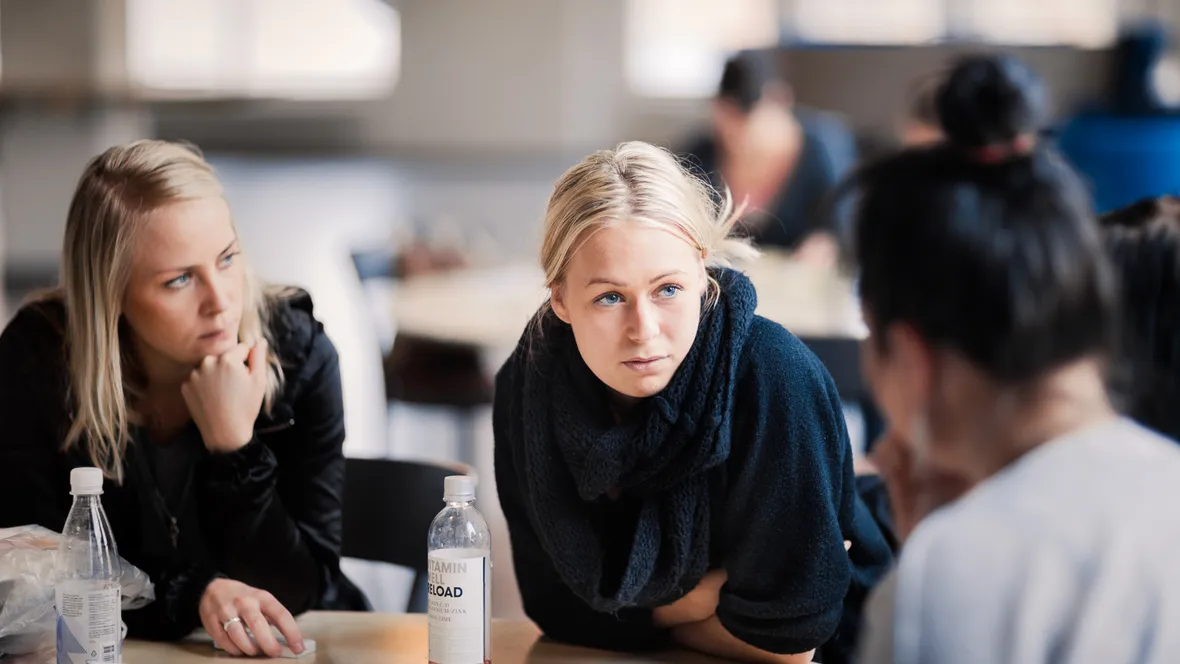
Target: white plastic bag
x=27 y=558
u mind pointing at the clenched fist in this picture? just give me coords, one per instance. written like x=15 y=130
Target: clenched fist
x=224 y=395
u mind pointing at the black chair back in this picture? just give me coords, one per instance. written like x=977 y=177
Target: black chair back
x=388 y=507
x=841 y=357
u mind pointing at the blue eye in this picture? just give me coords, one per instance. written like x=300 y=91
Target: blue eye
x=178 y=282
x=229 y=259
x=669 y=290
x=609 y=299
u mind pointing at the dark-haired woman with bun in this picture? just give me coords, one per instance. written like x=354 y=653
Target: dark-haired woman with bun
x=990 y=304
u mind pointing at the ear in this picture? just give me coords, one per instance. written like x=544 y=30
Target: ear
x=557 y=301
x=916 y=358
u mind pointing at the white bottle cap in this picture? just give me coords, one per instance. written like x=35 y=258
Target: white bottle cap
x=85 y=482
x=458 y=487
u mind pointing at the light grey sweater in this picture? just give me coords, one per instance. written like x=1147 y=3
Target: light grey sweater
x=1069 y=555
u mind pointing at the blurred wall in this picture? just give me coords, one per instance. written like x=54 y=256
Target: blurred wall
x=501 y=78
x=62 y=100
x=547 y=77
x=485 y=86
x=868 y=84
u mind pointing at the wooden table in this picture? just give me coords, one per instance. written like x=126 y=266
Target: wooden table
x=378 y=638
x=489 y=307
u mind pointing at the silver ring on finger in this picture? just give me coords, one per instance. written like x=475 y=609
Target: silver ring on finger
x=236 y=619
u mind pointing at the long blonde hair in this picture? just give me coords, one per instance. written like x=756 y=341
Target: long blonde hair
x=117 y=192
x=641 y=183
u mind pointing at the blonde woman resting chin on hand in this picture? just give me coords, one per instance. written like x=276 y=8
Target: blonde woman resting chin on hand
x=212 y=405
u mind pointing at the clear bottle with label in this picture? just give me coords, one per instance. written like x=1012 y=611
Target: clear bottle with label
x=87 y=590
x=459 y=548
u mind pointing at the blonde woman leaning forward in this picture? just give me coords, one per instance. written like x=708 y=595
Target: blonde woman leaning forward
x=212 y=405
x=673 y=468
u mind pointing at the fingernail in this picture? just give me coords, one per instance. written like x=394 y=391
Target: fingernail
x=297 y=648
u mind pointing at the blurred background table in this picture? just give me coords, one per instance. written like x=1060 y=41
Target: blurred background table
x=488 y=307
x=456 y=328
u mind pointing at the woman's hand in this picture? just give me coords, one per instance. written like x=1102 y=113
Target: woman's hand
x=225 y=599
x=699 y=604
x=913 y=492
x=224 y=396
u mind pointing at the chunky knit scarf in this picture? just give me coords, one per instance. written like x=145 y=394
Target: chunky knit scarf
x=572 y=451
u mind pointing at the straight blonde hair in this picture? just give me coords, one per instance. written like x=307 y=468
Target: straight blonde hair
x=638 y=183
x=115 y=196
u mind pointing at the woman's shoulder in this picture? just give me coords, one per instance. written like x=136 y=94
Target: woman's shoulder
x=36 y=335
x=772 y=354
x=823 y=126
x=783 y=390
x=781 y=383
x=298 y=337
x=33 y=362
x=831 y=144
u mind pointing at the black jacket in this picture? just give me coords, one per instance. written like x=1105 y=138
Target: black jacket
x=268 y=515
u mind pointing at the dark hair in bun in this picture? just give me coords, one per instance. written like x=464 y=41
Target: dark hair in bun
x=998 y=258
x=989 y=100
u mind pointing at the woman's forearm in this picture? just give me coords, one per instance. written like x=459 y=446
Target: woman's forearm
x=694 y=607
x=265 y=547
x=710 y=637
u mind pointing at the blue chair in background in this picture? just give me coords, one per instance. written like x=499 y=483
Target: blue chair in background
x=1128 y=143
x=1124 y=157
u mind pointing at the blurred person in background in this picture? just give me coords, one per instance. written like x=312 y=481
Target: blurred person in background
x=3 y=289
x=777 y=158
x=920 y=126
x=673 y=468
x=212 y=405
x=1143 y=240
x=4 y=306
x=991 y=307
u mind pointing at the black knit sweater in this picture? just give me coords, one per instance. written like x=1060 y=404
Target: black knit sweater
x=742 y=463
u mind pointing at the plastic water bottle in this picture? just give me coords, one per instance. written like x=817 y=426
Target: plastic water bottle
x=459 y=590
x=89 y=618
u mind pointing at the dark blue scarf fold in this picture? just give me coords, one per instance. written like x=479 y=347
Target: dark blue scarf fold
x=574 y=452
